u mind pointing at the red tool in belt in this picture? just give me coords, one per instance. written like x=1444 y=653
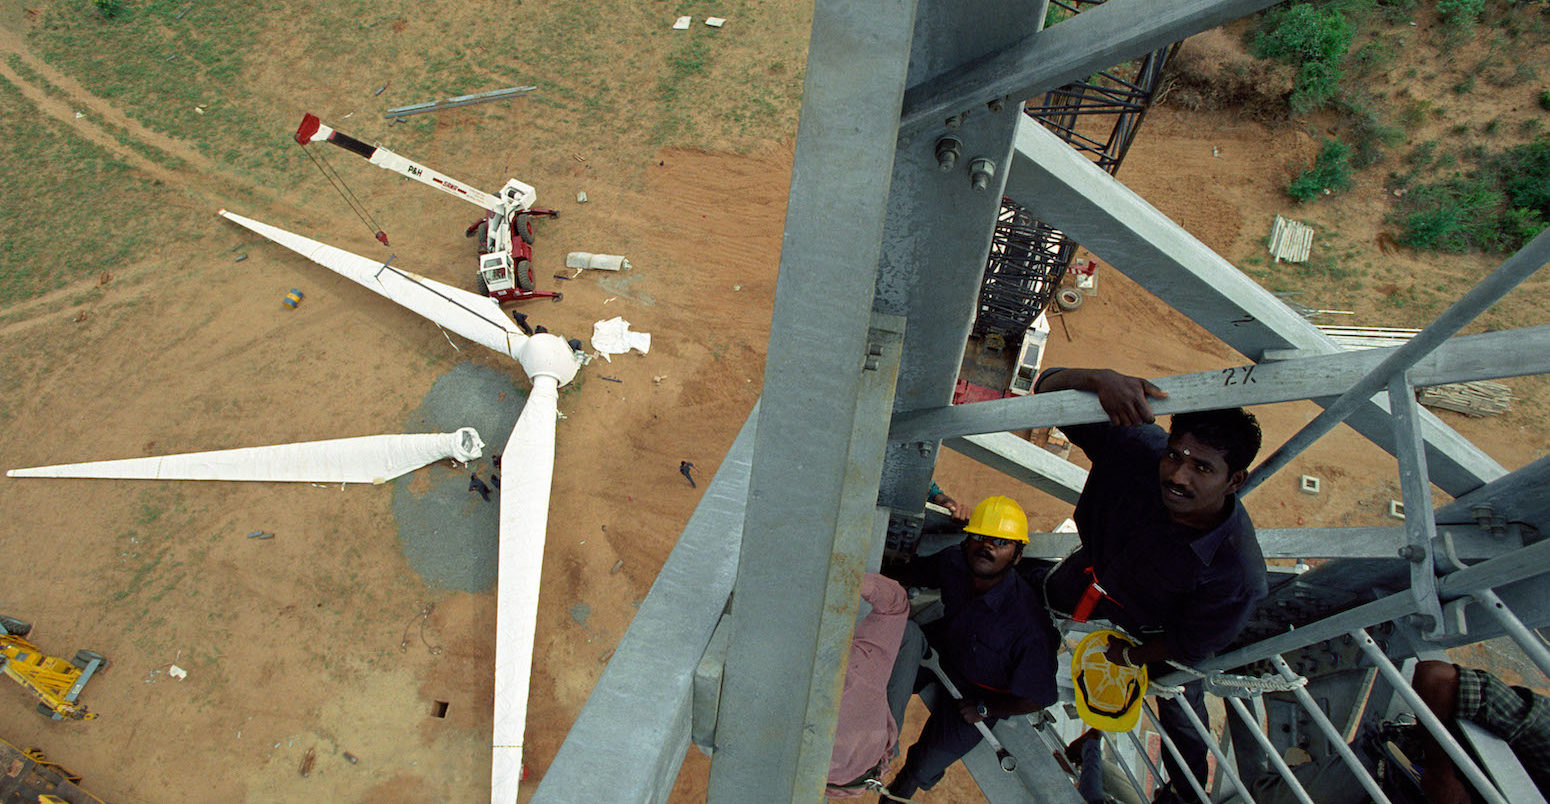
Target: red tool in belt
x=1090 y=598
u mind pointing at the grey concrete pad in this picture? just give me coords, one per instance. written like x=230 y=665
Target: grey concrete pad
x=450 y=535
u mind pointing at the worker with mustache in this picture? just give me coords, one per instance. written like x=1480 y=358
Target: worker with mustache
x=994 y=640
x=1168 y=553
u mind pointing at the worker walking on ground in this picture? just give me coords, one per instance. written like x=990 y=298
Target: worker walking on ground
x=995 y=640
x=1167 y=552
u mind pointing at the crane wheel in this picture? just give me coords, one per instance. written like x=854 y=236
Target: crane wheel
x=524 y=226
x=524 y=272
x=15 y=627
x=85 y=657
x=1068 y=299
x=481 y=236
x=484 y=288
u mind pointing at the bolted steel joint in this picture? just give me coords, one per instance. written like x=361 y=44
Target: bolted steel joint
x=948 y=149
x=1413 y=554
x=996 y=105
x=981 y=171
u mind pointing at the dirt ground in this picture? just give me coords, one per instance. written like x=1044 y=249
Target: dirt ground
x=323 y=641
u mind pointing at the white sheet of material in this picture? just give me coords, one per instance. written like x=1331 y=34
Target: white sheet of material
x=613 y=337
x=477 y=318
x=367 y=459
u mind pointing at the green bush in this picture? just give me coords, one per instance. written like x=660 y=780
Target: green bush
x=1525 y=172
x=1462 y=13
x=1312 y=40
x=1544 y=100
x=1331 y=171
x=110 y=8
x=1454 y=215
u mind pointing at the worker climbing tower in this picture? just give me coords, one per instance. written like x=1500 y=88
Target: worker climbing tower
x=740 y=646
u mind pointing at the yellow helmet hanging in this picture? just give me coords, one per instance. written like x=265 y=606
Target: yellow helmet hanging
x=1000 y=517
x=1108 y=696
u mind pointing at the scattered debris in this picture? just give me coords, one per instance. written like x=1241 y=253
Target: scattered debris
x=1396 y=509
x=79 y=115
x=563 y=276
x=380 y=90
x=259 y=534
x=185 y=10
x=240 y=258
x=1308 y=484
x=618 y=565
x=681 y=24
x=614 y=337
x=715 y=22
x=659 y=378
x=738 y=286
x=177 y=672
x=1290 y=240
x=611 y=379
x=308 y=761
x=293 y=298
x=581 y=260
x=350 y=758
x=451 y=103
x=581 y=196
x=80 y=318
x=684 y=468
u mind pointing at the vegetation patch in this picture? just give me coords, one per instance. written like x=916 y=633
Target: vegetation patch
x=1498 y=208
x=1330 y=172
x=1313 y=39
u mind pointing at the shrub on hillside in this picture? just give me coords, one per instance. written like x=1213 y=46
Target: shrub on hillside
x=1331 y=171
x=1465 y=214
x=1314 y=41
x=1525 y=172
x=109 y=8
x=1462 y=13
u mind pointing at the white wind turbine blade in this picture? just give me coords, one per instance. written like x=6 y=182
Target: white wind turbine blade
x=477 y=318
x=367 y=459
x=524 y=518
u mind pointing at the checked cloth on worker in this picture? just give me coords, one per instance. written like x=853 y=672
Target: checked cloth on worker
x=1518 y=715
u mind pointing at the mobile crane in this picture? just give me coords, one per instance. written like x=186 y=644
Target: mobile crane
x=504 y=235
x=55 y=682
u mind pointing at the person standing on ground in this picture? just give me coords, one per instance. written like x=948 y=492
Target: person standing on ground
x=1167 y=551
x=994 y=640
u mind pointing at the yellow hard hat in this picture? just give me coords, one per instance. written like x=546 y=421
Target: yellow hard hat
x=1000 y=517
x=1108 y=696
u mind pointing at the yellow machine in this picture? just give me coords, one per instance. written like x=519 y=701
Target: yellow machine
x=56 y=682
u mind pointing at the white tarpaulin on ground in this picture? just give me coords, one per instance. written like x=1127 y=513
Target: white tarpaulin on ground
x=368 y=459
x=613 y=337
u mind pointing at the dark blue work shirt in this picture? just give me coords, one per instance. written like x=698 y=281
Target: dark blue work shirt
x=1002 y=640
x=1197 y=588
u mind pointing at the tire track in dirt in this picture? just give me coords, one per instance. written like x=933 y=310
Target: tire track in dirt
x=91 y=116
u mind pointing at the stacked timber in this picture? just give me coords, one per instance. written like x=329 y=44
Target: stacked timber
x=1290 y=240
x=1479 y=398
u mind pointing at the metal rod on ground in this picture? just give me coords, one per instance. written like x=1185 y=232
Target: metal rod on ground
x=1223 y=764
x=1270 y=751
x=454 y=102
x=1336 y=741
x=1530 y=642
x=1423 y=713
x=1495 y=285
x=1008 y=762
x=1189 y=776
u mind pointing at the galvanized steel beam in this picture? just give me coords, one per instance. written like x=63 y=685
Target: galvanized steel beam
x=1069 y=192
x=800 y=568
x=1493 y=355
x=629 y=740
